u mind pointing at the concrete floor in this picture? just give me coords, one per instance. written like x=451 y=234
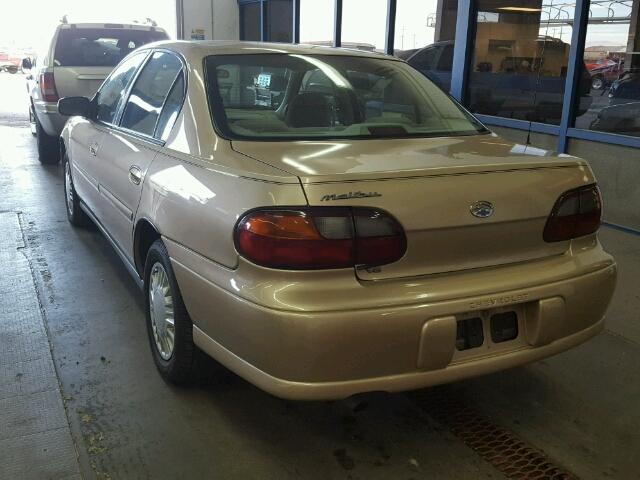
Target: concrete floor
x=581 y=407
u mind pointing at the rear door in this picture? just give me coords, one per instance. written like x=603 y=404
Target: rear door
x=84 y=56
x=128 y=150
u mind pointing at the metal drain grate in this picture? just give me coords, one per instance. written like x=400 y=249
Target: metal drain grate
x=500 y=447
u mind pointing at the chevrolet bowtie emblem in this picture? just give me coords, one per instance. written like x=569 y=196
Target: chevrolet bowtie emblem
x=349 y=196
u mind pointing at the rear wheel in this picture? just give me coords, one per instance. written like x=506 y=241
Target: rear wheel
x=169 y=326
x=75 y=214
x=47 y=145
x=597 y=82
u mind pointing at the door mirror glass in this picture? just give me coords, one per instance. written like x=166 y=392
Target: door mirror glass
x=74 y=106
x=26 y=64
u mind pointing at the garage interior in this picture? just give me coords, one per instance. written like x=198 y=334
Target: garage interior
x=79 y=394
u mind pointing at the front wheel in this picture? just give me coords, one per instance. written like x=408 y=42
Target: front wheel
x=169 y=326
x=75 y=214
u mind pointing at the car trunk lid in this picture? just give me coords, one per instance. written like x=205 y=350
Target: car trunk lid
x=431 y=186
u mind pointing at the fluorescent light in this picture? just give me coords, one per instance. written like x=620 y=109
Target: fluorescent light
x=520 y=9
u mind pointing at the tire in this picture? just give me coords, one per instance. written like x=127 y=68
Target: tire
x=597 y=82
x=48 y=148
x=76 y=216
x=184 y=363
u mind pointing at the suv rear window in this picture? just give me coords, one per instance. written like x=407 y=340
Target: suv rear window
x=99 y=47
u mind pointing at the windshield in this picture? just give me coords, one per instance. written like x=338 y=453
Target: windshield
x=100 y=47
x=292 y=96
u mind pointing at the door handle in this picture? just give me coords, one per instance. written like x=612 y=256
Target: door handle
x=135 y=174
x=93 y=149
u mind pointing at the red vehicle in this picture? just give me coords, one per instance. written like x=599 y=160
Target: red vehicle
x=9 y=63
x=604 y=72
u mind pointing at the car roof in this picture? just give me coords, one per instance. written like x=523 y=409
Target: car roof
x=115 y=25
x=204 y=48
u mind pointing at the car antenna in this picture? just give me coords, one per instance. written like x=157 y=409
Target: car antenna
x=64 y=19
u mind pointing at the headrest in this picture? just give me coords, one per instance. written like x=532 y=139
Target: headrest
x=309 y=110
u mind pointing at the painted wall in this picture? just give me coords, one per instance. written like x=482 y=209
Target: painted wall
x=208 y=19
x=617 y=169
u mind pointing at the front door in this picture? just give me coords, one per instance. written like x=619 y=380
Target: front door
x=88 y=135
x=83 y=149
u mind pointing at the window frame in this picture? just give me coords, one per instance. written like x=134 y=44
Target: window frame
x=463 y=57
x=60 y=32
x=220 y=126
x=183 y=73
x=119 y=113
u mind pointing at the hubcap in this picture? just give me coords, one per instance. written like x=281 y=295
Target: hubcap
x=161 y=311
x=68 y=187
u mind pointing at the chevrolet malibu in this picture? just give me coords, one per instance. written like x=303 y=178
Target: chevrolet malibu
x=326 y=222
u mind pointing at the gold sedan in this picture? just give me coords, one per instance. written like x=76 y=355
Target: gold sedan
x=325 y=222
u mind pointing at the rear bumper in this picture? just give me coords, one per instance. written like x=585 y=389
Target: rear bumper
x=307 y=353
x=52 y=122
x=391 y=383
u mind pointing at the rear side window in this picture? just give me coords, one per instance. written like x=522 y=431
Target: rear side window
x=99 y=47
x=171 y=108
x=149 y=92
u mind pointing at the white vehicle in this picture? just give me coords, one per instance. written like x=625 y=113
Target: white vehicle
x=75 y=63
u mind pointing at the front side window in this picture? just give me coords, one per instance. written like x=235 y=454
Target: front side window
x=149 y=93
x=278 y=96
x=112 y=91
x=99 y=47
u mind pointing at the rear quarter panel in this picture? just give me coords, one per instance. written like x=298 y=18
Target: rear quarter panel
x=196 y=203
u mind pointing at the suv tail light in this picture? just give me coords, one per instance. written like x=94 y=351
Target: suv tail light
x=576 y=213
x=319 y=238
x=48 y=87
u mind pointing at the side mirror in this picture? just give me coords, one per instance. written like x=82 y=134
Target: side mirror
x=26 y=64
x=73 y=106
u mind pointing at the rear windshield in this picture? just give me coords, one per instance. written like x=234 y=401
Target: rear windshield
x=99 y=47
x=292 y=96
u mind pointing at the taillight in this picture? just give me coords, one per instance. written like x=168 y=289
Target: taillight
x=576 y=213
x=48 y=87
x=319 y=238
